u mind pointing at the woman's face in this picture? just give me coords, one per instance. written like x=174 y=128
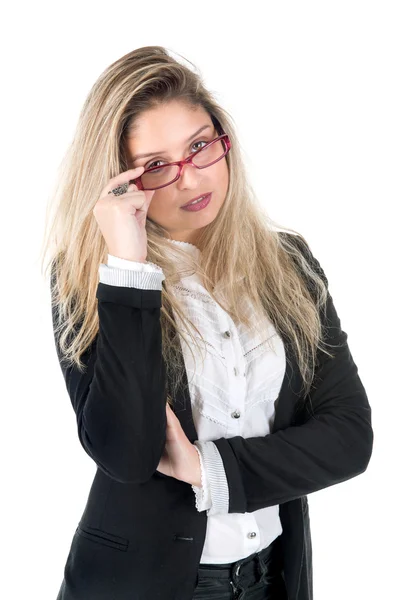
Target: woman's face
x=171 y=128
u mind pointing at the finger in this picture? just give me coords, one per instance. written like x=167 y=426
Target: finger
x=149 y=197
x=124 y=177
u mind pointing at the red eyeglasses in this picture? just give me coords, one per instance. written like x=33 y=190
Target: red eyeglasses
x=159 y=177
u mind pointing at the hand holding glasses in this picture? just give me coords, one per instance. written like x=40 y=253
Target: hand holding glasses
x=122 y=218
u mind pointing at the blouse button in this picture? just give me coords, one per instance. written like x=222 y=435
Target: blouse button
x=235 y=415
x=237 y=372
x=227 y=334
x=252 y=534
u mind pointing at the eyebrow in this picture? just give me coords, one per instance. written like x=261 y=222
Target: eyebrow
x=162 y=151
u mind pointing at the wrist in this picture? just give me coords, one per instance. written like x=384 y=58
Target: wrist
x=197 y=470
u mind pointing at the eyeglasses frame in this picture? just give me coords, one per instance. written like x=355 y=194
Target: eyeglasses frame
x=181 y=163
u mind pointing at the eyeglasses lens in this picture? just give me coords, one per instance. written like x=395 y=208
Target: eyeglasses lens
x=164 y=175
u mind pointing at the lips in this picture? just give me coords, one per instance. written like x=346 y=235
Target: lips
x=197 y=197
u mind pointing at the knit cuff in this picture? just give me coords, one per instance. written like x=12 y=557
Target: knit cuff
x=135 y=278
x=215 y=477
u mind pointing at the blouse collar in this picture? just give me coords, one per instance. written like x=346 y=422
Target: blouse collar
x=186 y=247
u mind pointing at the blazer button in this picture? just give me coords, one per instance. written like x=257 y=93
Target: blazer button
x=235 y=415
x=252 y=534
x=227 y=334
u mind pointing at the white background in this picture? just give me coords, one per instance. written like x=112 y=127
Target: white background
x=313 y=88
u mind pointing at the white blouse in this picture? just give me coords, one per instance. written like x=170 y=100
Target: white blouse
x=234 y=394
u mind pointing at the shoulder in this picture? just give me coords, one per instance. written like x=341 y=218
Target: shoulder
x=300 y=244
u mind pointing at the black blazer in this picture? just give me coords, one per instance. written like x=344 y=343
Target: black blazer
x=140 y=536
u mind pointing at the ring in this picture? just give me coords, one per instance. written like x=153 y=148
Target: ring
x=120 y=189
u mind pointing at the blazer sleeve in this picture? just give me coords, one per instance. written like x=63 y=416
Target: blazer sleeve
x=328 y=445
x=120 y=398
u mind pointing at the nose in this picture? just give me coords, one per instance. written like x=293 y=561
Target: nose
x=189 y=178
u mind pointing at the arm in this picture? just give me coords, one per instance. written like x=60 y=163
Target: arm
x=202 y=492
x=330 y=445
x=120 y=399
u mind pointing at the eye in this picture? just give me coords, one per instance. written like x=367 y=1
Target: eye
x=153 y=163
x=200 y=142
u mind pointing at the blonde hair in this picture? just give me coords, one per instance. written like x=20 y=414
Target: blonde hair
x=242 y=255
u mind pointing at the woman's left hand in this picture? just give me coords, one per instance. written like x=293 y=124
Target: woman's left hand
x=180 y=458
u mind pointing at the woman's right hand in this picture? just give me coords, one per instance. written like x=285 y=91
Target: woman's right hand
x=122 y=219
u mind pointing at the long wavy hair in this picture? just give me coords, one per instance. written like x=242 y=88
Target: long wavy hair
x=243 y=255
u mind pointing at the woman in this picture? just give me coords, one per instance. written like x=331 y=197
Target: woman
x=211 y=380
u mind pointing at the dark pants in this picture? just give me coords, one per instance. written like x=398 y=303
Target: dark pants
x=257 y=577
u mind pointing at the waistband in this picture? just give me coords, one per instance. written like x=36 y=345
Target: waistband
x=270 y=557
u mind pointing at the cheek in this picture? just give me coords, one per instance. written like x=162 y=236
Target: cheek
x=223 y=171
x=158 y=207
x=223 y=178
x=217 y=179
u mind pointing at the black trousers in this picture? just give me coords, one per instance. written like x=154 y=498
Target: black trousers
x=256 y=577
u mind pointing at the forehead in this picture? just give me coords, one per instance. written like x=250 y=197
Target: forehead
x=167 y=125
